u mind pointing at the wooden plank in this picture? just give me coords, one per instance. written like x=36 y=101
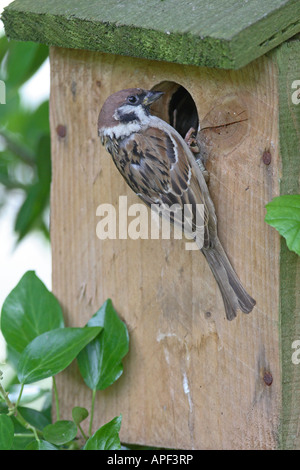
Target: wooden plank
x=191 y=379
x=212 y=33
x=289 y=127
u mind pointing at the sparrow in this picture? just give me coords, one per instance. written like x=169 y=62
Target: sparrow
x=158 y=165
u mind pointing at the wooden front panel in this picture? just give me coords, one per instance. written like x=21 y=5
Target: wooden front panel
x=191 y=379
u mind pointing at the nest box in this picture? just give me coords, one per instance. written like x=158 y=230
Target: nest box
x=192 y=379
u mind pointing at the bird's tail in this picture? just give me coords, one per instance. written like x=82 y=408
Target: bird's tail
x=234 y=295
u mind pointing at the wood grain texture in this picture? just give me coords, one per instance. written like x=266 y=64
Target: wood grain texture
x=288 y=59
x=191 y=380
x=200 y=32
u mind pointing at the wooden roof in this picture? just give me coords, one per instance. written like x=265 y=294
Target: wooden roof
x=212 y=33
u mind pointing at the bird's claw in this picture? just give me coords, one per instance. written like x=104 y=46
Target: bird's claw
x=191 y=140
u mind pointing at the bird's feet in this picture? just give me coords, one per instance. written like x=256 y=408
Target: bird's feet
x=191 y=140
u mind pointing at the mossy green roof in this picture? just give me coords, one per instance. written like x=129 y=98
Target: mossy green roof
x=213 y=33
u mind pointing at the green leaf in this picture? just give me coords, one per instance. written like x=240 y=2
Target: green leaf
x=100 y=362
x=79 y=414
x=20 y=441
x=3 y=46
x=12 y=106
x=34 y=417
x=16 y=148
x=40 y=445
x=52 y=352
x=3 y=406
x=28 y=311
x=23 y=60
x=6 y=432
x=25 y=153
x=30 y=215
x=36 y=125
x=31 y=212
x=283 y=213
x=107 y=437
x=12 y=356
x=60 y=432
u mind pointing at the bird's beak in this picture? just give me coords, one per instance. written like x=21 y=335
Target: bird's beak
x=152 y=96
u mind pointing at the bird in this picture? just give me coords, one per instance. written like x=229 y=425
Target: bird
x=158 y=165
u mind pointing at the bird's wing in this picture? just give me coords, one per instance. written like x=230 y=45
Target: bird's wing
x=160 y=172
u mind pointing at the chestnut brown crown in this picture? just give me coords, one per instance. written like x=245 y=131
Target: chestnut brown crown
x=126 y=106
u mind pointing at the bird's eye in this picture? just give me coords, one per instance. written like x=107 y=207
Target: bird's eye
x=132 y=99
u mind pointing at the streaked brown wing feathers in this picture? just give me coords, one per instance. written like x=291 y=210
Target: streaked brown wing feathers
x=162 y=172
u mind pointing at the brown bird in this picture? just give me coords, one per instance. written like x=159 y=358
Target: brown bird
x=158 y=165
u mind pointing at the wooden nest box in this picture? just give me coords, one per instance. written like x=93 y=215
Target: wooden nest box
x=192 y=379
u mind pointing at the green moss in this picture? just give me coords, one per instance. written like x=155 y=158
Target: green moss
x=213 y=34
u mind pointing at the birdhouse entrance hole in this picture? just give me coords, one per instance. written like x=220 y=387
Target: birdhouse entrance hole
x=177 y=107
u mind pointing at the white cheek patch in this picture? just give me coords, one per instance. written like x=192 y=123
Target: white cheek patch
x=128 y=128
x=139 y=112
x=120 y=130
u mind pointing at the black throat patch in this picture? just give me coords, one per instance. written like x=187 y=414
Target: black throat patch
x=129 y=117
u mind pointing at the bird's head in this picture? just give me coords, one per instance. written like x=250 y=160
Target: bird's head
x=126 y=111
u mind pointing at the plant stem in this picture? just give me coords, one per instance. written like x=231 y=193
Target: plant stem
x=85 y=437
x=35 y=433
x=10 y=405
x=20 y=395
x=12 y=409
x=24 y=434
x=56 y=399
x=92 y=412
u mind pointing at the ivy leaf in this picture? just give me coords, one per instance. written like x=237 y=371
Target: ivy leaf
x=24 y=59
x=31 y=211
x=52 y=352
x=22 y=436
x=100 y=362
x=283 y=213
x=28 y=311
x=6 y=432
x=60 y=432
x=107 y=437
x=79 y=414
x=35 y=127
x=40 y=445
x=34 y=417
